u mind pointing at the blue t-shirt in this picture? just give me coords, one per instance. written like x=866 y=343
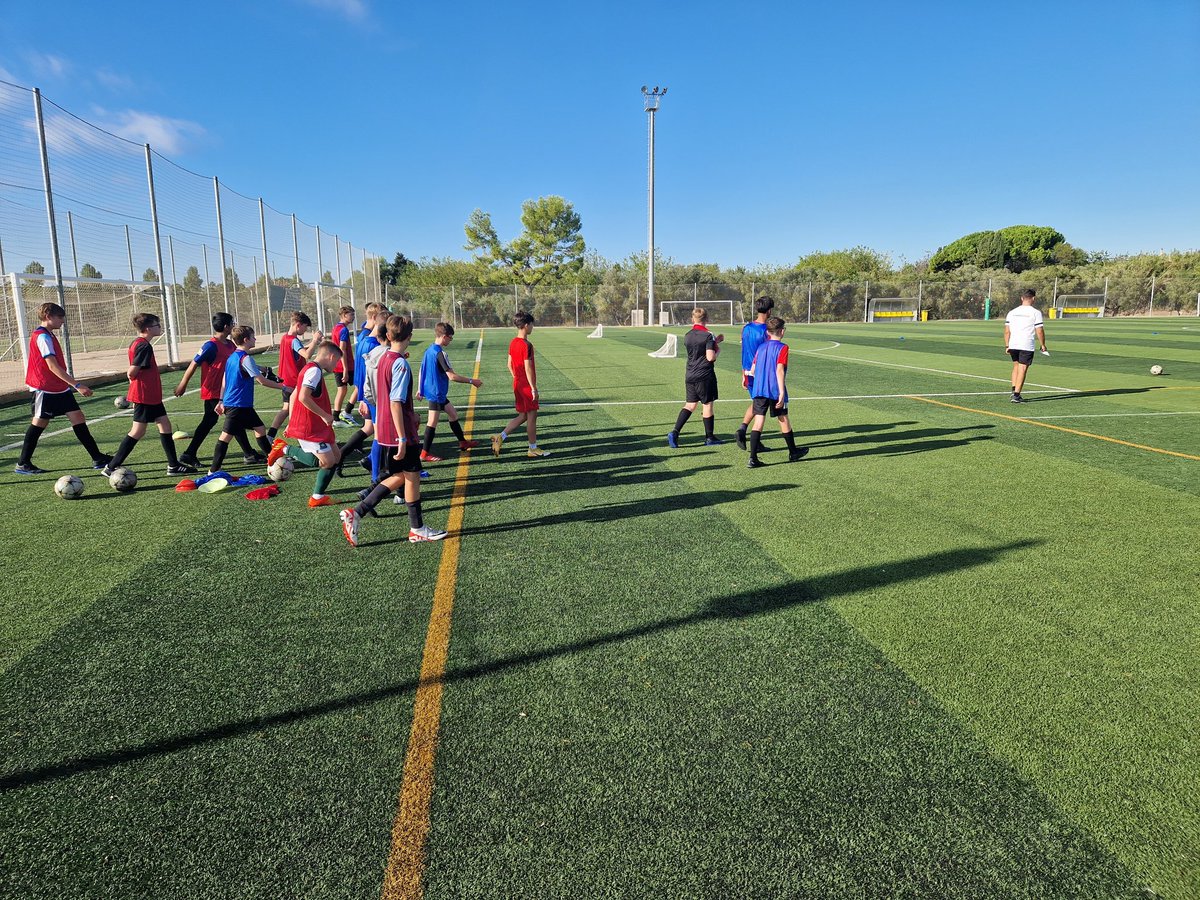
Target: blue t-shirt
x=365 y=344
x=240 y=372
x=766 y=362
x=753 y=335
x=207 y=354
x=435 y=383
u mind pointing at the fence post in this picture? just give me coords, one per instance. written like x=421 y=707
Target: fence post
x=866 y=298
x=4 y=296
x=1153 y=280
x=75 y=268
x=920 y=296
x=19 y=310
x=168 y=311
x=516 y=301
x=221 y=246
x=295 y=251
x=207 y=280
x=576 y=306
x=320 y=275
x=809 y=302
x=262 y=230
x=1105 y=304
x=174 y=275
x=55 y=258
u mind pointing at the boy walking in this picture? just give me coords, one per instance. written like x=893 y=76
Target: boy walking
x=435 y=376
x=524 y=376
x=1022 y=328
x=345 y=366
x=211 y=361
x=52 y=392
x=753 y=335
x=311 y=421
x=700 y=378
x=396 y=433
x=145 y=390
x=292 y=357
x=237 y=396
x=769 y=390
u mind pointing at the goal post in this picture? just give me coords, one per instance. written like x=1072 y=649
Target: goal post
x=894 y=309
x=1079 y=306
x=669 y=349
x=679 y=312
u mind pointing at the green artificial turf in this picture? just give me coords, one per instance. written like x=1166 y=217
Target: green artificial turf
x=949 y=654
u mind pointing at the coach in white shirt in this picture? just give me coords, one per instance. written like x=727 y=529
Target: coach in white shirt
x=1022 y=327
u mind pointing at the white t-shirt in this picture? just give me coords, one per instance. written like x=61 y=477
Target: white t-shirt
x=312 y=378
x=1022 y=323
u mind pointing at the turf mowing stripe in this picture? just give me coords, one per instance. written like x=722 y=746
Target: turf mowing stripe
x=1099 y=437
x=742 y=400
x=406 y=860
x=1113 y=415
x=116 y=415
x=871 y=362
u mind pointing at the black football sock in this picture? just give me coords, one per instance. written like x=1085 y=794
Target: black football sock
x=356 y=440
x=791 y=441
x=427 y=444
x=207 y=421
x=219 y=452
x=244 y=442
x=272 y=432
x=84 y=434
x=742 y=430
x=323 y=478
x=378 y=494
x=414 y=515
x=709 y=423
x=264 y=445
x=755 y=443
x=681 y=419
x=32 y=434
x=127 y=444
x=456 y=427
x=168 y=445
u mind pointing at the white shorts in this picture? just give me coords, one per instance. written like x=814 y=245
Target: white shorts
x=316 y=447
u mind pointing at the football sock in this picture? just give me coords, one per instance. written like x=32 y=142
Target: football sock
x=323 y=478
x=32 y=434
x=356 y=440
x=127 y=444
x=428 y=442
x=301 y=456
x=244 y=443
x=709 y=423
x=791 y=441
x=84 y=434
x=742 y=430
x=457 y=429
x=272 y=432
x=168 y=445
x=378 y=494
x=264 y=445
x=681 y=419
x=219 y=452
x=207 y=421
x=377 y=452
x=414 y=515
x=755 y=443
x=349 y=408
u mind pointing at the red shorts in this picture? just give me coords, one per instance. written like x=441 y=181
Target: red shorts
x=525 y=400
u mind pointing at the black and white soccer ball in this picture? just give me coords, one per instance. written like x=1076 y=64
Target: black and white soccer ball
x=123 y=479
x=69 y=487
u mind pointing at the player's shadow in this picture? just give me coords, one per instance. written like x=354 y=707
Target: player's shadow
x=909 y=447
x=765 y=601
x=1077 y=395
x=896 y=437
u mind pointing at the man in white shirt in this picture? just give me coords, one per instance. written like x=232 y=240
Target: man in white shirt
x=1023 y=328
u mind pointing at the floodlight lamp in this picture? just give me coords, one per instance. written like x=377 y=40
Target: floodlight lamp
x=644 y=89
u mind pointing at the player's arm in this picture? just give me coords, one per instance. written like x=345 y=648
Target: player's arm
x=455 y=377
x=1007 y=334
x=511 y=371
x=56 y=367
x=714 y=348
x=347 y=360
x=183 y=382
x=780 y=375
x=531 y=374
x=305 y=352
x=1040 y=331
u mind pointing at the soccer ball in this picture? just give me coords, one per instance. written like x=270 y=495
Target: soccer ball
x=282 y=469
x=122 y=403
x=123 y=479
x=1156 y=370
x=69 y=487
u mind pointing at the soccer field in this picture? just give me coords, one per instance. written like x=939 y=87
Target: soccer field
x=952 y=653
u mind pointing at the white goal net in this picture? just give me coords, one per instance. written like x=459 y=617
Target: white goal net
x=598 y=333
x=669 y=349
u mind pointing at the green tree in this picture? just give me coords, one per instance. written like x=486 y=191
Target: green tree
x=551 y=245
x=393 y=272
x=191 y=280
x=151 y=276
x=35 y=268
x=87 y=270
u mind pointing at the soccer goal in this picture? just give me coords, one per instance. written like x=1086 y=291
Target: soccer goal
x=669 y=349
x=1079 y=306
x=894 y=309
x=598 y=333
x=679 y=312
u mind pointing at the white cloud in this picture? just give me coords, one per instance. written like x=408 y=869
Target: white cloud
x=114 y=81
x=354 y=10
x=47 y=65
x=66 y=134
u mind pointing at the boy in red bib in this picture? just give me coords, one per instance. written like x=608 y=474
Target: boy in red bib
x=311 y=421
x=211 y=362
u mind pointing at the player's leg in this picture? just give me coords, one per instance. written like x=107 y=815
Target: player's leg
x=456 y=428
x=277 y=422
x=83 y=434
x=708 y=400
x=207 y=421
x=1020 y=370
x=785 y=426
x=136 y=432
x=418 y=531
x=37 y=424
x=685 y=413
x=221 y=447
x=394 y=480
x=165 y=432
x=327 y=458
x=431 y=423
x=761 y=406
x=513 y=424
x=531 y=432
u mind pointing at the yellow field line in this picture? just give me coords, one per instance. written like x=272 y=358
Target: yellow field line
x=1099 y=437
x=406 y=859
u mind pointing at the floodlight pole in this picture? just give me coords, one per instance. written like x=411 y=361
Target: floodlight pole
x=650 y=100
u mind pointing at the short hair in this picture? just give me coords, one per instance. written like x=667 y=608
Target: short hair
x=399 y=328
x=775 y=325
x=441 y=329
x=764 y=305
x=46 y=310
x=699 y=314
x=1028 y=293
x=522 y=319
x=346 y=310
x=142 y=321
x=329 y=348
x=241 y=333
x=301 y=318
x=221 y=321
x=373 y=307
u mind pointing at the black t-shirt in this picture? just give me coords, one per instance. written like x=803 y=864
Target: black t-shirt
x=698 y=342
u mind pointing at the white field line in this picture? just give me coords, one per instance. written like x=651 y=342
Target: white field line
x=167 y=397
x=1112 y=415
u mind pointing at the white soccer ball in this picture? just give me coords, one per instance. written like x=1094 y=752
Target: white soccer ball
x=122 y=403
x=123 y=479
x=69 y=487
x=282 y=469
x=1156 y=370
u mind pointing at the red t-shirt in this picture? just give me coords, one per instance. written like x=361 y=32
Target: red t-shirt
x=146 y=384
x=520 y=350
x=340 y=333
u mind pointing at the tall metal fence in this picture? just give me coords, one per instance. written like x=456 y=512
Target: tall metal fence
x=108 y=227
x=796 y=302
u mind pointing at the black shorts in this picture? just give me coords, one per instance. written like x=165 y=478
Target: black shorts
x=410 y=463
x=210 y=408
x=343 y=381
x=438 y=405
x=241 y=418
x=1024 y=357
x=702 y=391
x=47 y=406
x=148 y=412
x=764 y=406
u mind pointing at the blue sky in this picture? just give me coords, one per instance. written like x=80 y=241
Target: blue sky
x=788 y=128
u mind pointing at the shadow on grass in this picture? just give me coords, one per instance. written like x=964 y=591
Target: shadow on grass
x=731 y=608
x=1076 y=395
